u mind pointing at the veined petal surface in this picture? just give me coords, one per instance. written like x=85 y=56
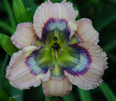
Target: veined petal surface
x=58 y=84
x=24 y=35
x=55 y=11
x=24 y=70
x=86 y=32
x=84 y=65
x=57 y=87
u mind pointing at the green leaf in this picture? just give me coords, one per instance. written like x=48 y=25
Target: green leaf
x=7 y=27
x=17 y=92
x=107 y=92
x=2 y=70
x=3 y=96
x=19 y=10
x=7 y=44
x=31 y=4
x=11 y=99
x=51 y=98
x=85 y=95
x=113 y=1
x=27 y=16
x=112 y=56
x=10 y=13
x=47 y=98
x=22 y=14
x=55 y=98
x=103 y=22
x=94 y=1
x=69 y=97
x=109 y=46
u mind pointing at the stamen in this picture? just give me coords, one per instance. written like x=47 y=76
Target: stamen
x=56 y=48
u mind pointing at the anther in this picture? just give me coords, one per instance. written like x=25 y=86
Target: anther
x=56 y=48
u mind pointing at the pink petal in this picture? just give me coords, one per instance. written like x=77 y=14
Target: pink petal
x=55 y=11
x=57 y=87
x=90 y=78
x=86 y=32
x=24 y=35
x=18 y=72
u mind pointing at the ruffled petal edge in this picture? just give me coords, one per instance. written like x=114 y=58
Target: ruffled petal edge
x=19 y=74
x=95 y=70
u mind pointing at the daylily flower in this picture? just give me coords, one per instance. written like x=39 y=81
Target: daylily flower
x=68 y=53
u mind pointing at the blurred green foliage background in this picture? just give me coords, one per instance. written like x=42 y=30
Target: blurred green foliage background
x=103 y=15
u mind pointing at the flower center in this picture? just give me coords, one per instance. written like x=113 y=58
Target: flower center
x=56 y=48
x=56 y=45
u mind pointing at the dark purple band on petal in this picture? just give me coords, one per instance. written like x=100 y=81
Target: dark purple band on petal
x=35 y=63
x=55 y=26
x=81 y=65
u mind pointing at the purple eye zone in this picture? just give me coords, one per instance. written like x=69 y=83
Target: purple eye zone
x=53 y=26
